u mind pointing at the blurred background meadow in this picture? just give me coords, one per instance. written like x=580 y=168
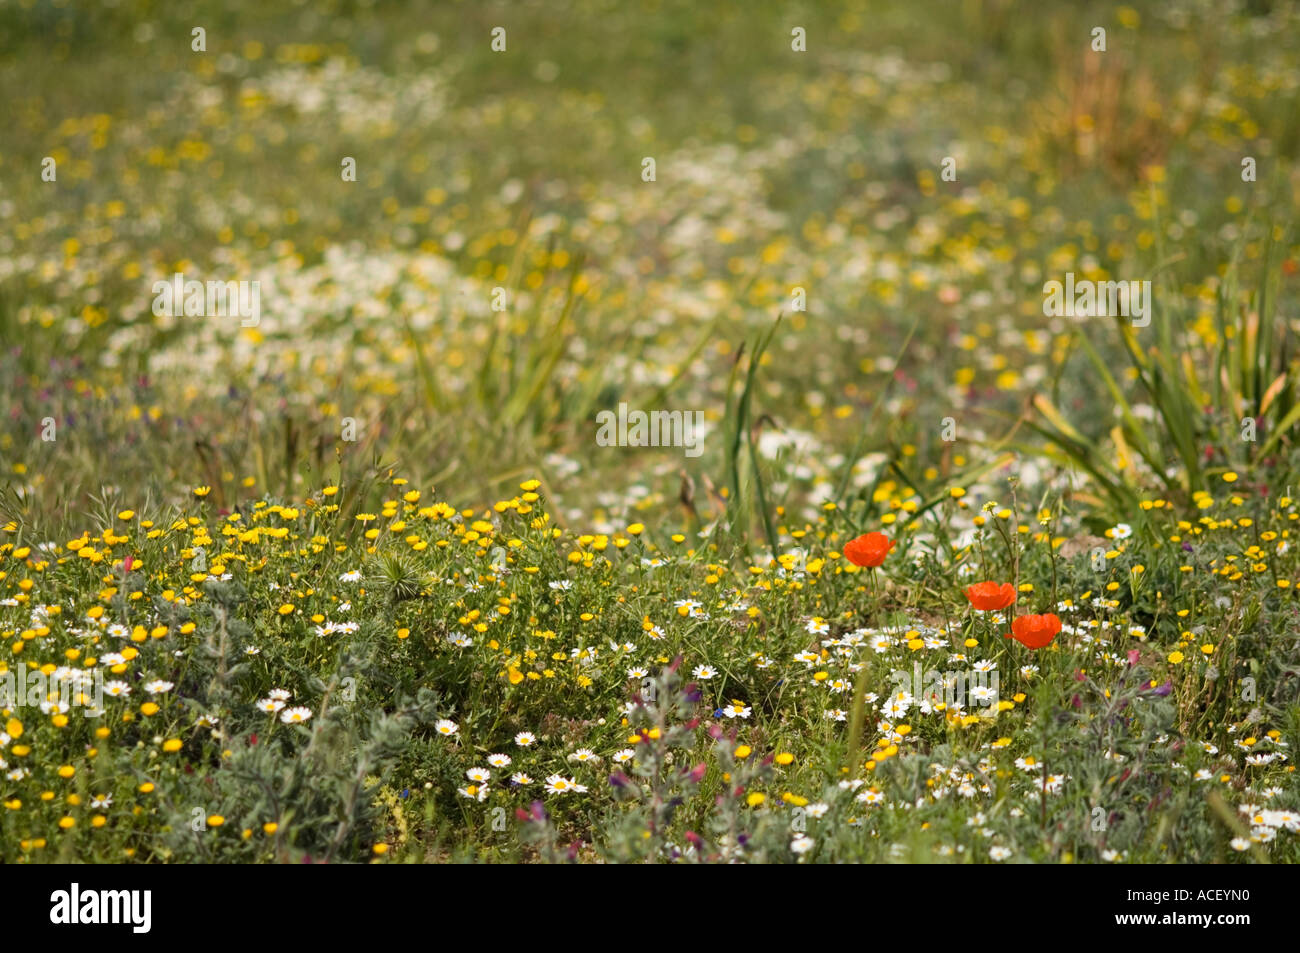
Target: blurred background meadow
x=776 y=170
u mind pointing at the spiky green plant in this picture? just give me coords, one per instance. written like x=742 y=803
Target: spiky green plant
x=1227 y=408
x=395 y=576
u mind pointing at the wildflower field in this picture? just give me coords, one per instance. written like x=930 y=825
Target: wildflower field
x=653 y=432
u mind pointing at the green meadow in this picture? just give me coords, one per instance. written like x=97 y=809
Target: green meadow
x=657 y=432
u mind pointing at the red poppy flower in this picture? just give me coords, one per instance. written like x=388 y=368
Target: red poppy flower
x=1034 y=631
x=869 y=550
x=990 y=596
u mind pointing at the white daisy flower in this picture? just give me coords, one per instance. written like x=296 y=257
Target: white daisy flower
x=737 y=710
x=558 y=784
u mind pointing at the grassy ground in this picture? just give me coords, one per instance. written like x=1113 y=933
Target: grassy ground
x=387 y=503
